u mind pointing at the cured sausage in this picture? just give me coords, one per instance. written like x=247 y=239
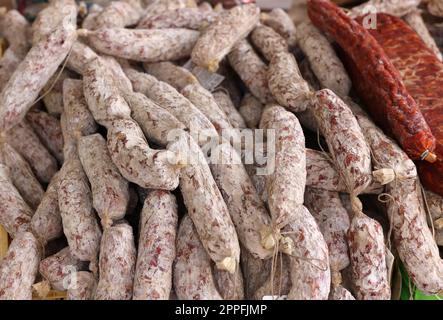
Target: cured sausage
x=15 y=214
x=421 y=72
x=110 y=191
x=156 y=247
x=58 y=268
x=117 y=263
x=22 y=176
x=193 y=279
x=78 y=217
x=345 y=140
x=220 y=36
x=376 y=80
x=19 y=268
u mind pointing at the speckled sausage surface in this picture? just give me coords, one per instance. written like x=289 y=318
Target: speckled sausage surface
x=110 y=191
x=136 y=161
x=193 y=279
x=102 y=95
x=48 y=129
x=221 y=35
x=82 y=286
x=166 y=71
x=286 y=83
x=150 y=45
x=229 y=285
x=286 y=184
x=79 y=120
x=53 y=90
x=189 y=18
x=247 y=210
x=309 y=262
x=170 y=99
x=368 y=260
x=118 y=14
x=156 y=247
x=208 y=104
x=412 y=237
x=323 y=60
x=19 y=267
x=155 y=121
x=22 y=176
x=279 y=20
x=226 y=105
x=206 y=206
x=79 y=220
x=345 y=140
x=268 y=42
x=15 y=214
x=251 y=69
x=46 y=222
x=23 y=139
x=34 y=71
x=333 y=220
x=117 y=263
x=80 y=56
x=58 y=268
x=251 y=109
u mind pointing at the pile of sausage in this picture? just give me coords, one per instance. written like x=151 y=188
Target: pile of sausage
x=172 y=149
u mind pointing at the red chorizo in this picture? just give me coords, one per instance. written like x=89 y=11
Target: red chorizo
x=421 y=73
x=376 y=79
